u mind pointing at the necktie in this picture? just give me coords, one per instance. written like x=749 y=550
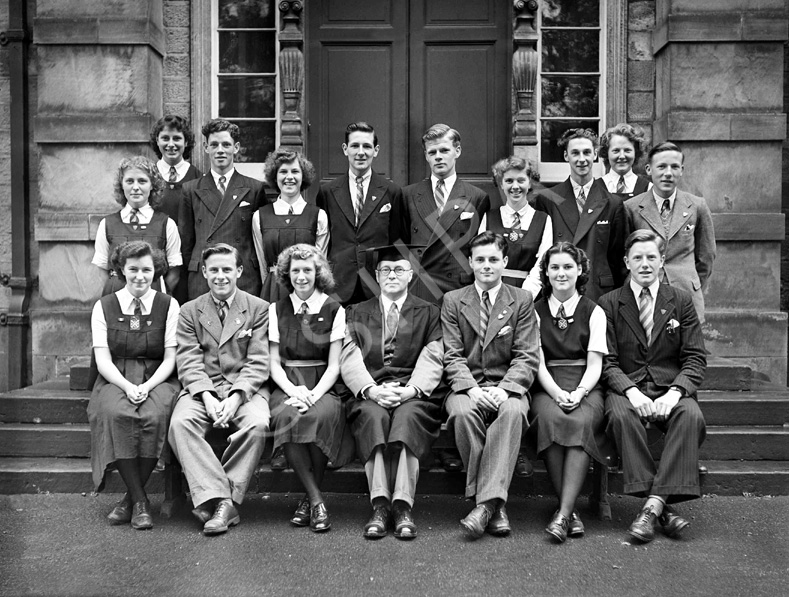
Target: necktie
x=391 y=323
x=222 y=187
x=303 y=312
x=290 y=210
x=484 y=315
x=173 y=175
x=134 y=322
x=222 y=308
x=134 y=218
x=581 y=200
x=561 y=318
x=516 y=221
x=645 y=312
x=620 y=186
x=359 y=203
x=440 y=195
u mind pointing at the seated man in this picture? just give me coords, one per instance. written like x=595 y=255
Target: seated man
x=222 y=361
x=491 y=357
x=392 y=362
x=656 y=361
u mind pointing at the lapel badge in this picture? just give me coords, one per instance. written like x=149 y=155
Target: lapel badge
x=287 y=221
x=374 y=197
x=501 y=316
x=148 y=322
x=457 y=207
x=120 y=318
x=684 y=214
x=590 y=211
x=662 y=311
x=172 y=186
x=320 y=318
x=237 y=321
x=235 y=197
x=514 y=236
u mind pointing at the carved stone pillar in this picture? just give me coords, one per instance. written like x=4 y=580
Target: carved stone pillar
x=291 y=66
x=524 y=78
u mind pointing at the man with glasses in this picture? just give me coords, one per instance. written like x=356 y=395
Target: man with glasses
x=392 y=364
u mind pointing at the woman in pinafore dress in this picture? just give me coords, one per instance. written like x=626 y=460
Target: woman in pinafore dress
x=129 y=409
x=306 y=331
x=621 y=148
x=568 y=404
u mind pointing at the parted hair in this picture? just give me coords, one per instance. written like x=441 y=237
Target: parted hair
x=513 y=163
x=324 y=279
x=361 y=127
x=176 y=123
x=643 y=235
x=665 y=146
x=571 y=134
x=439 y=131
x=488 y=238
x=221 y=249
x=137 y=249
x=151 y=171
x=281 y=156
x=217 y=125
x=631 y=132
x=578 y=255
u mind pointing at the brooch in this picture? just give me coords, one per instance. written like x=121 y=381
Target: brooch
x=515 y=236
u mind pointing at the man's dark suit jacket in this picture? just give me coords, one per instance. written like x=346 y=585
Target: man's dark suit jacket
x=443 y=262
x=205 y=218
x=380 y=224
x=600 y=231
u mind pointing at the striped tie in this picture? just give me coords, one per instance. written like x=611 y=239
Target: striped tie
x=173 y=175
x=581 y=200
x=484 y=315
x=440 y=195
x=645 y=312
x=222 y=309
x=516 y=221
x=358 y=205
x=304 y=313
x=392 y=319
x=222 y=187
x=620 y=186
x=134 y=218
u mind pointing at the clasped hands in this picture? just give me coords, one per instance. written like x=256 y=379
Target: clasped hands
x=391 y=394
x=137 y=394
x=569 y=401
x=221 y=412
x=488 y=398
x=657 y=410
x=300 y=398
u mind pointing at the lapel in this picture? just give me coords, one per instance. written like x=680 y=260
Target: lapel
x=208 y=317
x=208 y=194
x=568 y=208
x=595 y=204
x=471 y=308
x=235 y=193
x=372 y=201
x=683 y=207
x=453 y=208
x=500 y=314
x=236 y=317
x=342 y=194
x=648 y=210
x=664 y=310
x=628 y=309
x=426 y=204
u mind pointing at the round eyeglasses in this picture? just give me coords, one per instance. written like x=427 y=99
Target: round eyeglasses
x=398 y=271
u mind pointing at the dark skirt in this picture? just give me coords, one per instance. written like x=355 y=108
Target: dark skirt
x=581 y=427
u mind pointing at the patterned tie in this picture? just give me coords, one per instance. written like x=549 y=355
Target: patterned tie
x=173 y=175
x=359 y=203
x=645 y=312
x=440 y=195
x=290 y=210
x=134 y=322
x=516 y=221
x=222 y=308
x=134 y=218
x=484 y=315
x=303 y=313
x=581 y=200
x=222 y=187
x=392 y=319
x=561 y=318
x=620 y=186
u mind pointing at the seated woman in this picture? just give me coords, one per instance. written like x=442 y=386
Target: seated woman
x=568 y=404
x=306 y=330
x=129 y=409
x=621 y=147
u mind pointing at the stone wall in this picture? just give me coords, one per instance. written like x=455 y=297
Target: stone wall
x=177 y=84
x=5 y=194
x=640 y=66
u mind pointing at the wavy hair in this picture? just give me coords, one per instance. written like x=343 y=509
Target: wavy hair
x=281 y=156
x=633 y=133
x=176 y=123
x=578 y=255
x=324 y=279
x=137 y=249
x=513 y=163
x=149 y=168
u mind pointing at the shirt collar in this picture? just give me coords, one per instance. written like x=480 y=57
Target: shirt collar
x=281 y=206
x=228 y=175
x=314 y=301
x=569 y=305
x=493 y=293
x=653 y=288
x=229 y=301
x=386 y=303
x=365 y=177
x=180 y=168
x=614 y=177
x=449 y=181
x=126 y=300
x=522 y=212
x=576 y=187
x=659 y=200
x=145 y=210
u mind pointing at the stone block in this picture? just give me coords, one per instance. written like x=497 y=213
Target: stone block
x=182 y=109
x=66 y=273
x=44 y=368
x=177 y=40
x=746 y=276
x=641 y=15
x=640 y=106
x=176 y=90
x=99 y=8
x=176 y=14
x=640 y=75
x=176 y=65
x=61 y=334
x=639 y=45
x=702 y=6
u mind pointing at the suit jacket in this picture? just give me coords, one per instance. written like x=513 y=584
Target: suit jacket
x=205 y=218
x=600 y=231
x=213 y=358
x=380 y=224
x=689 y=243
x=443 y=261
x=509 y=355
x=675 y=357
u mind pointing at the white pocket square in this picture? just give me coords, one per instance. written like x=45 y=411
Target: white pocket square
x=690 y=227
x=467 y=215
x=505 y=330
x=602 y=222
x=245 y=334
x=244 y=204
x=385 y=208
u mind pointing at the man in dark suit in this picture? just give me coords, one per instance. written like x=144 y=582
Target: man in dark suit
x=491 y=356
x=584 y=213
x=365 y=210
x=218 y=208
x=655 y=363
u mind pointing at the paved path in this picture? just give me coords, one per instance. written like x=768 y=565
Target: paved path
x=60 y=545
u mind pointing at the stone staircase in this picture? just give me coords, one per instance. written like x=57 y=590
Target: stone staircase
x=45 y=444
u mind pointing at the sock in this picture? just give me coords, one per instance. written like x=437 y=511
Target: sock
x=657 y=504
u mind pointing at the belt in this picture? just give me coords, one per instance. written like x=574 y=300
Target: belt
x=566 y=363
x=515 y=273
x=303 y=363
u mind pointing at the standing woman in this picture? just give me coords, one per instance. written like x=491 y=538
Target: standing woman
x=622 y=147
x=568 y=405
x=306 y=331
x=129 y=409
x=173 y=141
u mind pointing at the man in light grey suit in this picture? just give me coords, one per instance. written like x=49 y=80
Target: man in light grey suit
x=222 y=359
x=682 y=220
x=491 y=355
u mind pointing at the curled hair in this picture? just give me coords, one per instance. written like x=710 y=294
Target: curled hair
x=513 y=163
x=281 y=156
x=137 y=249
x=360 y=127
x=218 y=125
x=151 y=171
x=643 y=235
x=221 y=249
x=439 y=131
x=571 y=134
x=176 y=123
x=631 y=132
x=578 y=255
x=488 y=238
x=324 y=279
x=665 y=146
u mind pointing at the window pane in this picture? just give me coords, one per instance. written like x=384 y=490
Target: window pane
x=248 y=14
x=571 y=51
x=251 y=97
x=552 y=131
x=570 y=13
x=246 y=51
x=571 y=96
x=257 y=140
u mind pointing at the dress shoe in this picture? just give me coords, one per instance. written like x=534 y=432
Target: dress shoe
x=319 y=519
x=378 y=524
x=203 y=512
x=141 y=516
x=558 y=527
x=477 y=521
x=576 y=525
x=450 y=461
x=122 y=512
x=301 y=517
x=672 y=522
x=225 y=516
x=643 y=527
x=523 y=467
x=499 y=524
x=278 y=460
x=404 y=522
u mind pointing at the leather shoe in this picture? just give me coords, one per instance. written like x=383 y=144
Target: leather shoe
x=225 y=516
x=523 y=466
x=405 y=528
x=477 y=521
x=141 y=516
x=643 y=527
x=576 y=525
x=319 y=519
x=499 y=524
x=672 y=522
x=203 y=512
x=278 y=460
x=122 y=512
x=450 y=461
x=558 y=527
x=378 y=524
x=301 y=517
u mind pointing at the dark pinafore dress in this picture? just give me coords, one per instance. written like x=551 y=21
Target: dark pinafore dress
x=171 y=197
x=523 y=245
x=279 y=233
x=118 y=428
x=304 y=344
x=565 y=357
x=642 y=186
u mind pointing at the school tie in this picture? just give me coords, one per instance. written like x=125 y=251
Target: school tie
x=484 y=316
x=134 y=322
x=303 y=312
x=290 y=210
x=359 y=203
x=516 y=221
x=173 y=175
x=222 y=187
x=134 y=218
x=222 y=308
x=440 y=195
x=561 y=318
x=620 y=186
x=581 y=200
x=645 y=312
x=392 y=318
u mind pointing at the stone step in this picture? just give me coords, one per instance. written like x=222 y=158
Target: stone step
x=61 y=441
x=745 y=408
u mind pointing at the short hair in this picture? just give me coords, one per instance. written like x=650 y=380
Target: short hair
x=513 y=163
x=643 y=236
x=177 y=123
x=439 y=131
x=578 y=255
x=151 y=171
x=280 y=156
x=221 y=249
x=360 y=127
x=571 y=134
x=631 y=132
x=137 y=249
x=324 y=279
x=218 y=125
x=488 y=238
x=665 y=146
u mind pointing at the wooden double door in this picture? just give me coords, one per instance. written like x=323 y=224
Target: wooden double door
x=403 y=65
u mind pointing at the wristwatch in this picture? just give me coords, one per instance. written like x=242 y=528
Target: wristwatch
x=678 y=389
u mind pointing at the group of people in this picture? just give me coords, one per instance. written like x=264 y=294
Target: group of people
x=355 y=326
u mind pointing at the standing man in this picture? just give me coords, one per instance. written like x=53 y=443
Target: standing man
x=584 y=213
x=682 y=220
x=218 y=208
x=491 y=358
x=365 y=210
x=222 y=361
x=655 y=363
